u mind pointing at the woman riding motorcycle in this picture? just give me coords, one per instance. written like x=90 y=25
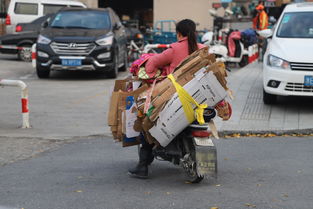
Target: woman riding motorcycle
x=167 y=60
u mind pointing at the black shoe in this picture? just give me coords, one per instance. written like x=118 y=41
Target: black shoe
x=145 y=159
x=140 y=171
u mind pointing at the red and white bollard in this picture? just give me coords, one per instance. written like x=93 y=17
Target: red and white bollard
x=253 y=53
x=34 y=56
x=154 y=46
x=24 y=98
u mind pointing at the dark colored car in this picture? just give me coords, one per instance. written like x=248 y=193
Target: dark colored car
x=22 y=42
x=82 y=39
x=34 y=26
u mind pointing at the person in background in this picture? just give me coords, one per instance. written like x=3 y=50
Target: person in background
x=167 y=60
x=262 y=18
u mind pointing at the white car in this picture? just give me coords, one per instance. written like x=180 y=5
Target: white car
x=288 y=61
x=23 y=11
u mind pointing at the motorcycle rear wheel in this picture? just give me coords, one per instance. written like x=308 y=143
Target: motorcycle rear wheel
x=191 y=169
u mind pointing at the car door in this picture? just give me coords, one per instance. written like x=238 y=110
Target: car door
x=120 y=36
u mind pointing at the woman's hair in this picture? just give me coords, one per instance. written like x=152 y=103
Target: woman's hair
x=187 y=28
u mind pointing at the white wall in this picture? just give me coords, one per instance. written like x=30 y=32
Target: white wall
x=90 y=3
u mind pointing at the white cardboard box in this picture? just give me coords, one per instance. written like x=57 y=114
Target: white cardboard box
x=204 y=88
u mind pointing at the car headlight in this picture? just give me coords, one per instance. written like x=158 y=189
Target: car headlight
x=43 y=40
x=105 y=41
x=274 y=61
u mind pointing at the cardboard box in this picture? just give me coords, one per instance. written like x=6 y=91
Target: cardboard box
x=204 y=88
x=118 y=106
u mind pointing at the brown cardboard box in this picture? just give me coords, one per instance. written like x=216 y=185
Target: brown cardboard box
x=118 y=105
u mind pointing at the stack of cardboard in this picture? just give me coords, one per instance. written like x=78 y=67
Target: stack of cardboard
x=200 y=75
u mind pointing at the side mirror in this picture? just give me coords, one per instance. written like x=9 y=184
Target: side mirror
x=117 y=26
x=267 y=33
x=45 y=24
x=3 y=15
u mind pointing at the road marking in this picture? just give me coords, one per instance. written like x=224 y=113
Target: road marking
x=26 y=77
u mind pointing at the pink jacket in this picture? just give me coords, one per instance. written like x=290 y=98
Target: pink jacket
x=170 y=58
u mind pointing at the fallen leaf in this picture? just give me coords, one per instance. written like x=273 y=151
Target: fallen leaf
x=187 y=182
x=147 y=193
x=225 y=158
x=259 y=185
x=250 y=205
x=217 y=185
x=168 y=193
x=214 y=207
x=285 y=195
x=78 y=191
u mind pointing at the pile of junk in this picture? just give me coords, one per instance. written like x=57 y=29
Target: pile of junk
x=174 y=112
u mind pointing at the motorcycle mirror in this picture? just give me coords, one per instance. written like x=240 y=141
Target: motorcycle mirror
x=267 y=33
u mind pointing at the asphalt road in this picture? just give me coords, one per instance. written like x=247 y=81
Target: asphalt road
x=253 y=173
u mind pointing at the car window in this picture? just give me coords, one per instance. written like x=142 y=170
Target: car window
x=82 y=19
x=26 y=9
x=51 y=8
x=296 y=25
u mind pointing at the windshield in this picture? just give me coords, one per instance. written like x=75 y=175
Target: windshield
x=296 y=25
x=82 y=19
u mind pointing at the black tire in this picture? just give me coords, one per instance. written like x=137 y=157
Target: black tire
x=244 y=61
x=42 y=72
x=125 y=66
x=196 y=180
x=269 y=98
x=114 y=71
x=25 y=54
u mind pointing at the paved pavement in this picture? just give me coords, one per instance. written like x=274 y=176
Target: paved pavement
x=260 y=173
x=289 y=115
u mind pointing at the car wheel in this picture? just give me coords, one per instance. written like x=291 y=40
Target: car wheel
x=25 y=54
x=125 y=65
x=42 y=72
x=114 y=71
x=269 y=98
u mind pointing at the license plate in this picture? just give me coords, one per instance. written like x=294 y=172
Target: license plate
x=71 y=62
x=308 y=80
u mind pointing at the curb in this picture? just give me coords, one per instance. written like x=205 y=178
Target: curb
x=268 y=133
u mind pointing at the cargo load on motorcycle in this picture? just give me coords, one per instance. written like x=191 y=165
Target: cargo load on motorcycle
x=158 y=110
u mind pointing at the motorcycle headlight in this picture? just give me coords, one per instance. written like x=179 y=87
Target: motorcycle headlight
x=105 y=41
x=274 y=61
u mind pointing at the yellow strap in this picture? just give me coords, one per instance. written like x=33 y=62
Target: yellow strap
x=187 y=102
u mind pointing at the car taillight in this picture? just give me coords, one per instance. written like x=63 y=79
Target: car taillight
x=18 y=28
x=201 y=134
x=8 y=20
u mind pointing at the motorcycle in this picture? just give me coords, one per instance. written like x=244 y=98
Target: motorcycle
x=193 y=150
x=232 y=49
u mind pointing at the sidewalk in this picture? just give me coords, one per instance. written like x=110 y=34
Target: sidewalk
x=81 y=112
x=250 y=115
